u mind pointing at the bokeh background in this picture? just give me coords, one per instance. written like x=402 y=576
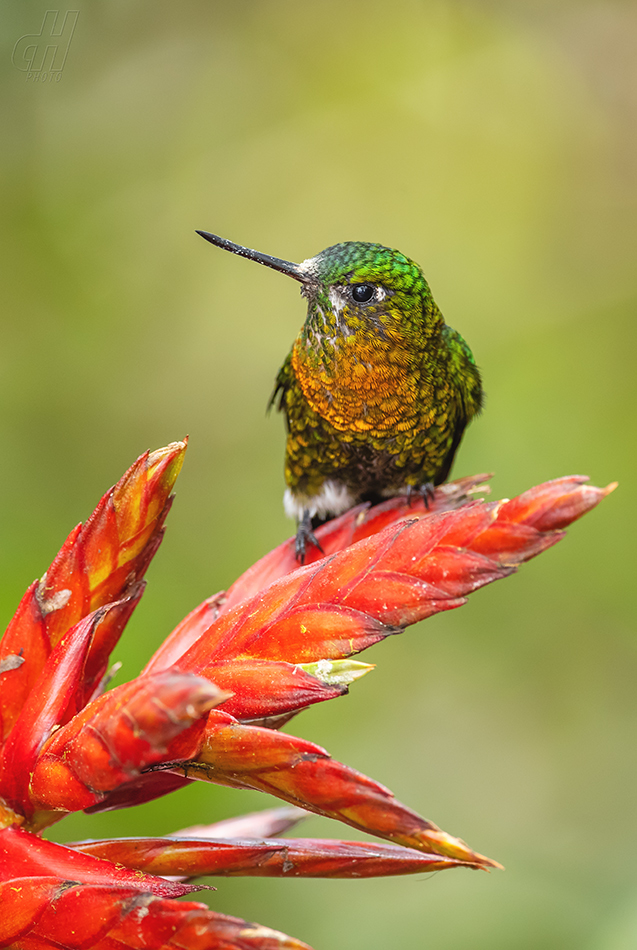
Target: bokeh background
x=494 y=142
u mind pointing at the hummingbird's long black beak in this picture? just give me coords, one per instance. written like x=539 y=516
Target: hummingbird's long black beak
x=285 y=267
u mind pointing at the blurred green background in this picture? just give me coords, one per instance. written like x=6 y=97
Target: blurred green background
x=495 y=143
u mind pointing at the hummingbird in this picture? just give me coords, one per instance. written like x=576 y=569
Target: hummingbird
x=377 y=389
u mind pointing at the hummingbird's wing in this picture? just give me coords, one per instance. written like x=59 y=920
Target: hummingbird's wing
x=466 y=379
x=282 y=383
x=458 y=432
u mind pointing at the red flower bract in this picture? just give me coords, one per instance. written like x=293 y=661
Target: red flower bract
x=279 y=640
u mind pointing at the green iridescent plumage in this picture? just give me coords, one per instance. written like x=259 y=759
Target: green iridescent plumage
x=377 y=389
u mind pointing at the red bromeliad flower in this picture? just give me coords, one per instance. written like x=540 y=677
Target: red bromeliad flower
x=210 y=702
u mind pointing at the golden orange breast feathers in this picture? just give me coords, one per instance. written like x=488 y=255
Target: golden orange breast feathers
x=364 y=387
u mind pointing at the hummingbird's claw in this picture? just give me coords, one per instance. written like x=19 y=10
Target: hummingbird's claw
x=304 y=534
x=428 y=493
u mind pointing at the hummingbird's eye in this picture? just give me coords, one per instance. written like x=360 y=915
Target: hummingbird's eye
x=362 y=293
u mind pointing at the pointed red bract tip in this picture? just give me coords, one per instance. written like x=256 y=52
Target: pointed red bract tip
x=146 y=721
x=556 y=504
x=268 y=857
x=100 y=562
x=48 y=913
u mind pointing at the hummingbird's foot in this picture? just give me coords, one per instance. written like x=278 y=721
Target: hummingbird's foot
x=304 y=534
x=428 y=493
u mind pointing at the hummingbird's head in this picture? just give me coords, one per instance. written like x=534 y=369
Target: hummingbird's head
x=354 y=284
x=362 y=280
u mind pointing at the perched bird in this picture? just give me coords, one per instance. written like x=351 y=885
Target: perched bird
x=377 y=389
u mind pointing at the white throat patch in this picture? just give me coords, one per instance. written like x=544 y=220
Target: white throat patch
x=337 y=300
